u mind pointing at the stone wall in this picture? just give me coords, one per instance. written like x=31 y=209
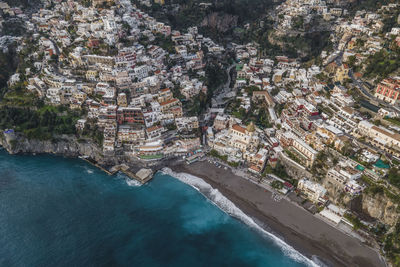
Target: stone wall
x=294 y=169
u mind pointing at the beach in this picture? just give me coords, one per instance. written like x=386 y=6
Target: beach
x=59 y=211
x=299 y=228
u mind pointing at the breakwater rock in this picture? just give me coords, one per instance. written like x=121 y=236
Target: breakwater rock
x=65 y=145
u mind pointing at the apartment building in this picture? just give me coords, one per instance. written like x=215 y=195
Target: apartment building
x=388 y=90
x=313 y=191
x=305 y=152
x=380 y=137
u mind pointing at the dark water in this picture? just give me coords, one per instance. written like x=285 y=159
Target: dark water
x=64 y=212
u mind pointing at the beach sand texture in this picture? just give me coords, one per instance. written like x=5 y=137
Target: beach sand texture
x=296 y=226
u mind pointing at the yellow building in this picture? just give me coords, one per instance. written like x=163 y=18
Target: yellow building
x=380 y=137
x=305 y=153
x=91 y=75
x=351 y=45
x=277 y=78
x=342 y=73
x=88 y=89
x=96 y=3
x=121 y=100
x=79 y=96
x=242 y=138
x=164 y=95
x=169 y=104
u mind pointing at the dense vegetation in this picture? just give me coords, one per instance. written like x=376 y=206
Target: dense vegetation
x=394 y=177
x=368 y=5
x=215 y=77
x=22 y=3
x=307 y=46
x=14 y=27
x=217 y=20
x=240 y=21
x=257 y=113
x=93 y=132
x=8 y=65
x=381 y=64
x=40 y=124
x=392 y=245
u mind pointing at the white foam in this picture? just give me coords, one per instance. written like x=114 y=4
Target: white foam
x=229 y=207
x=129 y=181
x=317 y=261
x=132 y=182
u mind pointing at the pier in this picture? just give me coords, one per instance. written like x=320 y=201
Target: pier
x=143 y=175
x=92 y=162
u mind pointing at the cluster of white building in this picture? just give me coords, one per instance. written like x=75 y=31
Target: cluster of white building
x=124 y=83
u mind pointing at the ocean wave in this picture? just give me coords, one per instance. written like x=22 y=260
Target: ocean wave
x=230 y=208
x=129 y=181
x=132 y=182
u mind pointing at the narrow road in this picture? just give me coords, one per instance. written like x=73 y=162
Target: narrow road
x=359 y=84
x=365 y=91
x=224 y=90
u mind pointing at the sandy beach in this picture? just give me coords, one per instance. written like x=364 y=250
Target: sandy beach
x=296 y=226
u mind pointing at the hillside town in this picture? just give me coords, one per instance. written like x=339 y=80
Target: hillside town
x=324 y=134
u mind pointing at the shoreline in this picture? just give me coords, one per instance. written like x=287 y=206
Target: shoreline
x=307 y=234
x=269 y=214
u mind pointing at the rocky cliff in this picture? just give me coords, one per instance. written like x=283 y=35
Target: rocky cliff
x=381 y=207
x=220 y=22
x=336 y=193
x=68 y=146
x=378 y=206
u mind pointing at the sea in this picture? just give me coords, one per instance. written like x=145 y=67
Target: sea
x=57 y=211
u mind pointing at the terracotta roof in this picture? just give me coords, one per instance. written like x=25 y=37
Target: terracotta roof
x=153 y=128
x=176 y=109
x=267 y=97
x=239 y=128
x=255 y=168
x=168 y=101
x=395 y=136
x=332 y=64
x=348 y=110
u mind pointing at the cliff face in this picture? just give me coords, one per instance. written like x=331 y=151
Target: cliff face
x=381 y=208
x=377 y=206
x=220 y=22
x=336 y=194
x=66 y=145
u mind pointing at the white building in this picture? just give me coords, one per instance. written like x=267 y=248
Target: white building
x=314 y=191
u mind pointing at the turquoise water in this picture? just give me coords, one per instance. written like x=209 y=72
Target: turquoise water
x=64 y=212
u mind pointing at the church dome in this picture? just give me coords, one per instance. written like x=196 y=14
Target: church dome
x=251 y=128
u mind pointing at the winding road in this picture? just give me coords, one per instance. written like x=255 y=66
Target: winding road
x=218 y=99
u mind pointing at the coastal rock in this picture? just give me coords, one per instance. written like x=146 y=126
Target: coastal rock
x=377 y=206
x=381 y=207
x=68 y=146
